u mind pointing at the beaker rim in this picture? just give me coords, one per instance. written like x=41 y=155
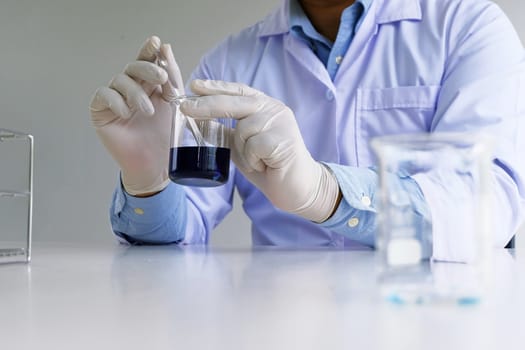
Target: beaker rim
x=181 y=98
x=434 y=139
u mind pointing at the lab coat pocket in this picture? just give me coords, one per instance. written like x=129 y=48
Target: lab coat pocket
x=386 y=111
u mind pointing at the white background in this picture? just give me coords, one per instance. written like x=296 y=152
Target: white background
x=55 y=53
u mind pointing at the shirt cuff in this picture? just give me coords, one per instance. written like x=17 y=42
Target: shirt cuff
x=356 y=213
x=159 y=219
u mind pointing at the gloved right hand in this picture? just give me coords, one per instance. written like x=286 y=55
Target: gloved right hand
x=268 y=148
x=132 y=117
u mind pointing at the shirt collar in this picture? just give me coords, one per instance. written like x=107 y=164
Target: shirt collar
x=297 y=17
x=299 y=22
x=394 y=11
x=386 y=11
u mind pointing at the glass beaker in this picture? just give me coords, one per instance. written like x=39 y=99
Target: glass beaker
x=200 y=149
x=452 y=224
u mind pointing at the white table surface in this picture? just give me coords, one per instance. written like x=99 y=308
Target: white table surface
x=119 y=297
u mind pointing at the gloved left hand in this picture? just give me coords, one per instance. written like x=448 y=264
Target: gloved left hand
x=132 y=117
x=268 y=148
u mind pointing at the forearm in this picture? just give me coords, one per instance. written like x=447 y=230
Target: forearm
x=435 y=209
x=356 y=215
x=498 y=207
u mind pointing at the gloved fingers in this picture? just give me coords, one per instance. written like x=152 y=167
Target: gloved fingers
x=260 y=124
x=172 y=68
x=256 y=149
x=174 y=85
x=168 y=92
x=106 y=98
x=149 y=50
x=237 y=152
x=221 y=106
x=237 y=147
x=264 y=150
x=219 y=87
x=134 y=94
x=147 y=72
x=241 y=163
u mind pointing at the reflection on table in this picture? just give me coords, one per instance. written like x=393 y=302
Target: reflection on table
x=119 y=297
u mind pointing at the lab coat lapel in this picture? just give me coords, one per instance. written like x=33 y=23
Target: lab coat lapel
x=380 y=12
x=300 y=52
x=277 y=23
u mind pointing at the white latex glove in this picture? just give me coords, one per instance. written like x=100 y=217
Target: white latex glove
x=133 y=118
x=268 y=148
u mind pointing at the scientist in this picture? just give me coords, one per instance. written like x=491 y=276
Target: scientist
x=308 y=87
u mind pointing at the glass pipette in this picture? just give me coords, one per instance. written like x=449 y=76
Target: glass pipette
x=175 y=102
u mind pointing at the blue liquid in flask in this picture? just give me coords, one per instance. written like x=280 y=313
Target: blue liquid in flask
x=200 y=166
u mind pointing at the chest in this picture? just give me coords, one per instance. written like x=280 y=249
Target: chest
x=388 y=82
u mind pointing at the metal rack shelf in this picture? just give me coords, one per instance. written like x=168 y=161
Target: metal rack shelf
x=14 y=194
x=19 y=254
x=13 y=255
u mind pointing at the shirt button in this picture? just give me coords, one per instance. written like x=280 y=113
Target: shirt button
x=353 y=222
x=329 y=95
x=366 y=201
x=338 y=59
x=139 y=211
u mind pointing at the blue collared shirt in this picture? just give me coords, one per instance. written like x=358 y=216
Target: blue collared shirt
x=413 y=66
x=331 y=54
